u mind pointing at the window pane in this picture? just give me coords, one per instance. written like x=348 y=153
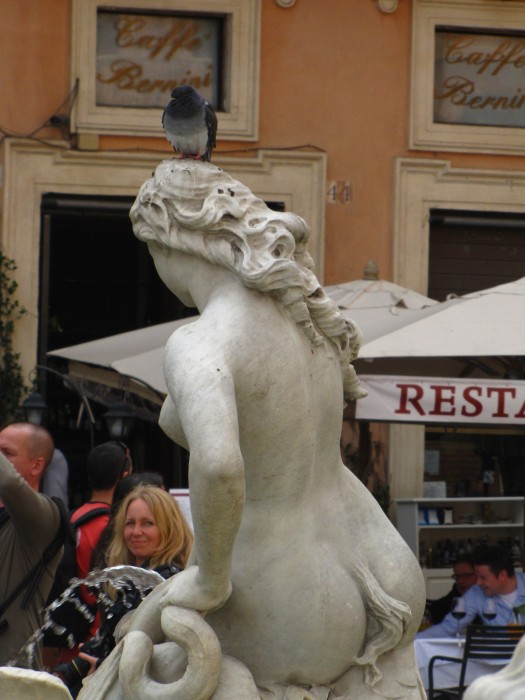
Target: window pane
x=141 y=58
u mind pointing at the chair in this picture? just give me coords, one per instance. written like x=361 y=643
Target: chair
x=482 y=642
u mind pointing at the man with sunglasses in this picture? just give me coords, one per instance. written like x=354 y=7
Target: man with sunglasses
x=464 y=577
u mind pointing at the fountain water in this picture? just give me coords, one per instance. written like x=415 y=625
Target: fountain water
x=100 y=581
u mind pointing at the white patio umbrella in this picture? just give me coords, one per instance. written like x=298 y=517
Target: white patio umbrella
x=130 y=361
x=486 y=324
x=373 y=293
x=379 y=306
x=133 y=360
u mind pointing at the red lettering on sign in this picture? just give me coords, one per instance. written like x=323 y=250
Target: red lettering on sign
x=405 y=399
x=500 y=392
x=443 y=401
x=521 y=412
x=440 y=398
x=469 y=399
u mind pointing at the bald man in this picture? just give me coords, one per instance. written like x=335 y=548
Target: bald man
x=29 y=521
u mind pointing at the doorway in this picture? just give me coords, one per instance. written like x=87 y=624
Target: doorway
x=97 y=280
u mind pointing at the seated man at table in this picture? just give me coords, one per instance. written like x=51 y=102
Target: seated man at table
x=496 y=581
x=464 y=577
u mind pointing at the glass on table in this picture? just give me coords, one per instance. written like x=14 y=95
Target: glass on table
x=517 y=616
x=458 y=608
x=458 y=612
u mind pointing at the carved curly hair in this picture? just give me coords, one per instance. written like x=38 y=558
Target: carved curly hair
x=199 y=209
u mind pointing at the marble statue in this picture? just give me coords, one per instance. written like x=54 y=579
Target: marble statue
x=298 y=586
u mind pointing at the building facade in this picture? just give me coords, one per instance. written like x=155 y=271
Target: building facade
x=372 y=119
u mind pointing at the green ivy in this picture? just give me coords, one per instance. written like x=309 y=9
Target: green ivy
x=12 y=387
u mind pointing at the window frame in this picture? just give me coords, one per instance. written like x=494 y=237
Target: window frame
x=242 y=61
x=424 y=133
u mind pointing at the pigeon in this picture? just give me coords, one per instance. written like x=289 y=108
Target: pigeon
x=190 y=123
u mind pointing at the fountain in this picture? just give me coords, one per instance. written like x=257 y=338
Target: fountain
x=298 y=586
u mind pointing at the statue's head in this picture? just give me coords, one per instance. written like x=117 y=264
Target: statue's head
x=197 y=208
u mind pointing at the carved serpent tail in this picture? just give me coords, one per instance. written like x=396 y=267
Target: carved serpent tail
x=188 y=629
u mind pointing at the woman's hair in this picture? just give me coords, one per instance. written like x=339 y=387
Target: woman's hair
x=123 y=487
x=200 y=210
x=175 y=535
x=128 y=483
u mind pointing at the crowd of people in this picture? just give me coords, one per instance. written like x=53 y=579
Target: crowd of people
x=130 y=519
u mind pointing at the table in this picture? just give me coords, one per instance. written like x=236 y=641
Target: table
x=446 y=673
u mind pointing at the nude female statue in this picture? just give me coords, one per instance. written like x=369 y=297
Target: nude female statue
x=300 y=575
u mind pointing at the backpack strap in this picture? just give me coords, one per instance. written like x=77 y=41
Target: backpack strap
x=32 y=578
x=90 y=515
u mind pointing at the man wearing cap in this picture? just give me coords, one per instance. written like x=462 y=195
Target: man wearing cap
x=106 y=465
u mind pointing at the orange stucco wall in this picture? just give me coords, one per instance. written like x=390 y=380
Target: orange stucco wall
x=334 y=75
x=34 y=62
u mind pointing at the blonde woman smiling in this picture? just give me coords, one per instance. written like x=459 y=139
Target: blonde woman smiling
x=150 y=531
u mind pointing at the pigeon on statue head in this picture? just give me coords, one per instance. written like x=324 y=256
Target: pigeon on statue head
x=190 y=123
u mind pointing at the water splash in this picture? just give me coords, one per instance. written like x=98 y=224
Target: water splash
x=98 y=581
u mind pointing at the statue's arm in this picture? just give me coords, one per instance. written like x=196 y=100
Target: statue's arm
x=200 y=383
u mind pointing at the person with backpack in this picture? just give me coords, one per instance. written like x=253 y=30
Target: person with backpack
x=31 y=537
x=150 y=532
x=106 y=464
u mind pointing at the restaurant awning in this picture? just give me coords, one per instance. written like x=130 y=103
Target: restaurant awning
x=476 y=335
x=131 y=362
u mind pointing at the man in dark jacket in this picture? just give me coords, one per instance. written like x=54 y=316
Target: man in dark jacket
x=29 y=522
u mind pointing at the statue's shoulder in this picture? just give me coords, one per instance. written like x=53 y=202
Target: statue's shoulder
x=195 y=345
x=182 y=335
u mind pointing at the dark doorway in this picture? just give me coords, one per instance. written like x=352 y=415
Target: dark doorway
x=474 y=250
x=96 y=280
